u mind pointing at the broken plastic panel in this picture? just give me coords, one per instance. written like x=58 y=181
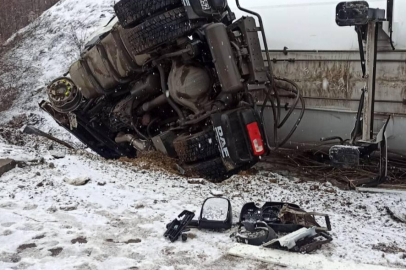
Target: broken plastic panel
x=255 y=233
x=289 y=240
x=305 y=240
x=298 y=216
x=268 y=213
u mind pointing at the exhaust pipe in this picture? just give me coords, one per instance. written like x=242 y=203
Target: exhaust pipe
x=133 y=141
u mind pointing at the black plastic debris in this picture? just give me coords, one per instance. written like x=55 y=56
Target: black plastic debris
x=178 y=226
x=282 y=226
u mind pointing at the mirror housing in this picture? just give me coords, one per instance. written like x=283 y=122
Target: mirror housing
x=357 y=13
x=220 y=220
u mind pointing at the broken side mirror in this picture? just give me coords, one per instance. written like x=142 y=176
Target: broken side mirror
x=357 y=13
x=216 y=214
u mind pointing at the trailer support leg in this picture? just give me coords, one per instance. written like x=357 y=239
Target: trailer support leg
x=368 y=115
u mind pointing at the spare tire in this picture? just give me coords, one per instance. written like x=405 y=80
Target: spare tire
x=155 y=31
x=212 y=170
x=131 y=12
x=196 y=147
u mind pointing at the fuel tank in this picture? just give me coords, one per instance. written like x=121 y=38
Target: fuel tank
x=105 y=65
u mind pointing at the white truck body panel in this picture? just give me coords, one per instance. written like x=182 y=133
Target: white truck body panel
x=310 y=24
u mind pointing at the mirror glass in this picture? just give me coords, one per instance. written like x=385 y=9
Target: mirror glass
x=215 y=209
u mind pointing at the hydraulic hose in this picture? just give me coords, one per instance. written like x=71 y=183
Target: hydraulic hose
x=299 y=120
x=276 y=111
x=281 y=124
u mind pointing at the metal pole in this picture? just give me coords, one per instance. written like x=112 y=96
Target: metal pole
x=368 y=114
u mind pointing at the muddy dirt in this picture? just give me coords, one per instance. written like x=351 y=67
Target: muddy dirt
x=55 y=251
x=392 y=248
x=155 y=161
x=26 y=246
x=79 y=240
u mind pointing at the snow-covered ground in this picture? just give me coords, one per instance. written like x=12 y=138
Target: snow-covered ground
x=117 y=220
x=45 y=50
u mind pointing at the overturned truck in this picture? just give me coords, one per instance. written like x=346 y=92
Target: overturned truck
x=177 y=76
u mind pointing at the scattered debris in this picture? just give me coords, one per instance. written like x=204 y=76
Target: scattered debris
x=176 y=228
x=57 y=154
x=35 y=131
x=303 y=240
x=139 y=206
x=289 y=241
x=216 y=193
x=196 y=181
x=45 y=183
x=180 y=169
x=21 y=248
x=30 y=207
x=330 y=190
x=102 y=183
x=255 y=233
x=289 y=214
x=9 y=257
x=297 y=229
x=52 y=209
x=6 y=165
x=386 y=248
x=215 y=214
x=268 y=213
x=396 y=214
x=67 y=208
x=51 y=165
x=80 y=181
x=381 y=190
x=80 y=240
x=55 y=251
x=133 y=241
x=297 y=260
x=38 y=237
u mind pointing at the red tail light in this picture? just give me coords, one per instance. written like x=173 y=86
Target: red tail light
x=256 y=139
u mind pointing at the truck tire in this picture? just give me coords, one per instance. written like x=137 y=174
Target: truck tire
x=158 y=30
x=212 y=170
x=131 y=12
x=196 y=147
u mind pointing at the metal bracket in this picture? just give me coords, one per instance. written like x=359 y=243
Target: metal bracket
x=383 y=161
x=359 y=29
x=178 y=226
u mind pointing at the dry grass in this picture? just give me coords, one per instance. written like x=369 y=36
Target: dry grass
x=154 y=160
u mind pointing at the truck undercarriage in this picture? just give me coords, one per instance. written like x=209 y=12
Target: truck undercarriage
x=187 y=79
x=180 y=77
